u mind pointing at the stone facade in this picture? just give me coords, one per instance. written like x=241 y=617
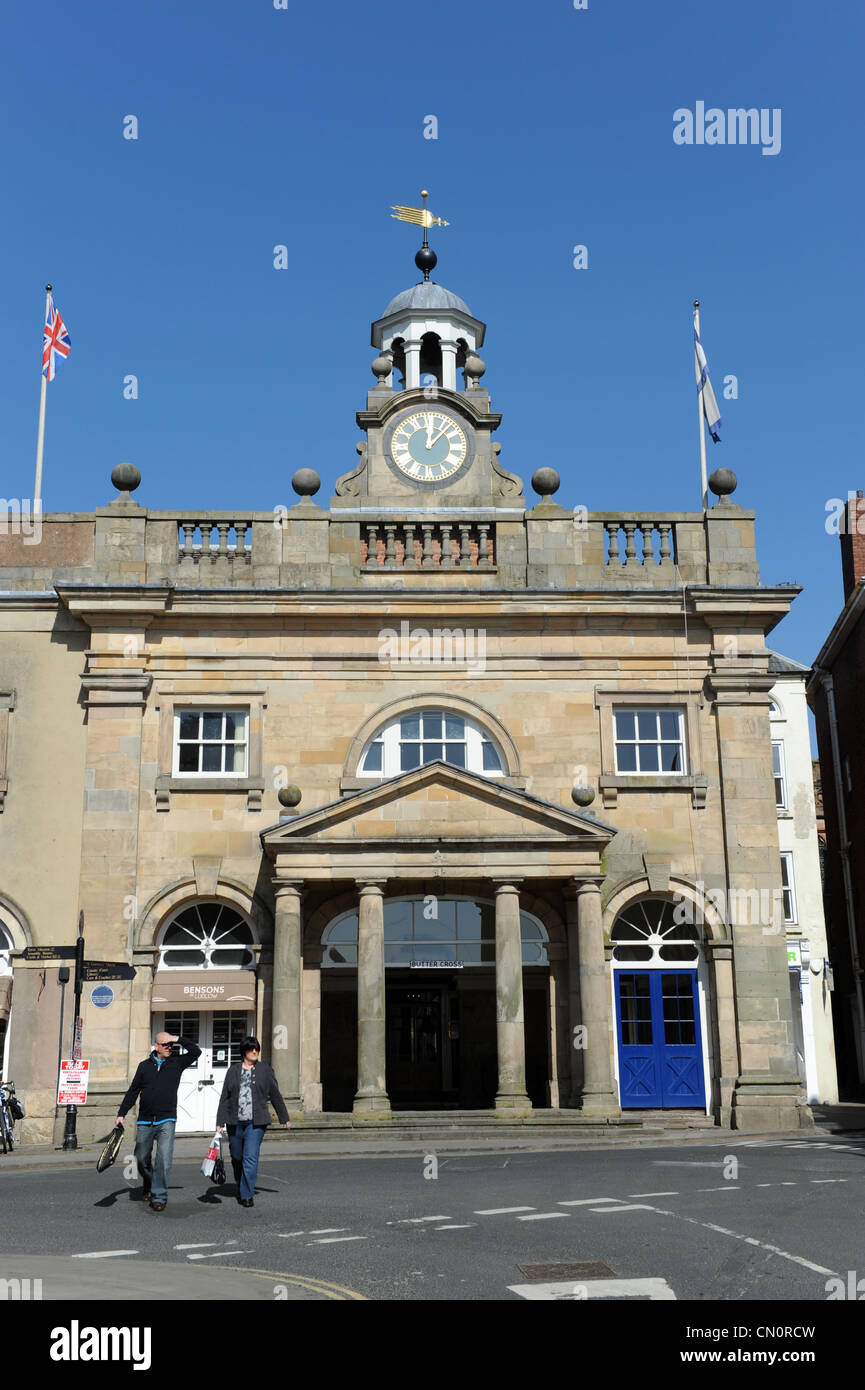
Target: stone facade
x=532 y=627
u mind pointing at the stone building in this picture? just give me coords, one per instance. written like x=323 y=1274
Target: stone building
x=835 y=696
x=460 y=800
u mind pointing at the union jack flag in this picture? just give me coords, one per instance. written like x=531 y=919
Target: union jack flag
x=55 y=340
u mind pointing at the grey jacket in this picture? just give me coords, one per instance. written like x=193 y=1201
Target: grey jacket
x=264 y=1089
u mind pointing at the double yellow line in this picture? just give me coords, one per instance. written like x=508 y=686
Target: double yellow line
x=303 y=1281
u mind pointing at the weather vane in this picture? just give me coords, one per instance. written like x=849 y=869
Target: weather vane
x=426 y=258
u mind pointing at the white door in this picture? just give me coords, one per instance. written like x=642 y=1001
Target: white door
x=219 y=1036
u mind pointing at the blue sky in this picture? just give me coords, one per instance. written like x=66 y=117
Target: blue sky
x=260 y=127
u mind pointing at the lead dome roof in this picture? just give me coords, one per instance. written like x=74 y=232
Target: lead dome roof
x=426 y=295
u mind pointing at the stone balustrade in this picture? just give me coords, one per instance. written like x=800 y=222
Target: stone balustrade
x=215 y=539
x=427 y=545
x=306 y=546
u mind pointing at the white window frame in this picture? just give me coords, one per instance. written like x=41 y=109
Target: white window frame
x=788 y=887
x=780 y=774
x=237 y=712
x=475 y=736
x=637 y=743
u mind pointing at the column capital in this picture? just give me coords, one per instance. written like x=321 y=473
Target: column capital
x=587 y=885
x=284 y=887
x=371 y=885
x=504 y=885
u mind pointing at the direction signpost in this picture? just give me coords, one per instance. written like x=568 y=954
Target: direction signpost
x=108 y=970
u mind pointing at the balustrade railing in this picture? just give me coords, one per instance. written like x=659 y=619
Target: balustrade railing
x=423 y=545
x=215 y=540
x=648 y=542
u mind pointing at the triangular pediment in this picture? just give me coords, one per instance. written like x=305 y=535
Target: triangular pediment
x=439 y=802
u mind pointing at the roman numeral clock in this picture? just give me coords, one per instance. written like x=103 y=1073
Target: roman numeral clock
x=428 y=447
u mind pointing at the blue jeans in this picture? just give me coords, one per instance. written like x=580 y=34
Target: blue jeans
x=155 y=1172
x=244 y=1143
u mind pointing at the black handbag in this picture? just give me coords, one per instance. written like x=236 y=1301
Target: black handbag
x=218 y=1175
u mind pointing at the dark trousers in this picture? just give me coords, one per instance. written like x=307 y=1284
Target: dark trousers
x=244 y=1143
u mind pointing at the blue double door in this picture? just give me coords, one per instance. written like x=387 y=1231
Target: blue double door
x=660 y=1047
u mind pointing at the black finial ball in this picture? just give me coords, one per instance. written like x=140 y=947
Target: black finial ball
x=125 y=477
x=289 y=796
x=723 y=481
x=426 y=260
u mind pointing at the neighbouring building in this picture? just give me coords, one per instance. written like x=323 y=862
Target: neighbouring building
x=807 y=952
x=835 y=696
x=461 y=801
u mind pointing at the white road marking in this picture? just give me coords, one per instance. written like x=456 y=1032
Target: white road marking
x=749 y=1240
x=288 y=1235
x=818 y=1180
x=543 y=1216
x=500 y=1211
x=571 y=1290
x=464 y=1227
x=727 y=1187
x=628 y=1206
x=217 y=1253
x=765 y=1184
x=335 y=1240
x=587 y=1201
x=686 y=1163
x=653 y=1194
x=325 y=1231
x=203 y=1245
x=103 y=1254
x=418 y=1220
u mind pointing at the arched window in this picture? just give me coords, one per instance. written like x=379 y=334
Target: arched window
x=6 y=946
x=426 y=736
x=206 y=935
x=651 y=931
x=437 y=930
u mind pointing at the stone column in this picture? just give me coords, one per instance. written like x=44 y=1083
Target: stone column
x=286 y=990
x=576 y=1050
x=310 y=1051
x=724 y=1028
x=412 y=363
x=371 y=1085
x=449 y=366
x=599 y=1092
x=510 y=1020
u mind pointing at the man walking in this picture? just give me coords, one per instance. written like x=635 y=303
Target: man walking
x=154 y=1085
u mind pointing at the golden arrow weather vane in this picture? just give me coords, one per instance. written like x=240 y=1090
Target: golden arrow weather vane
x=421 y=217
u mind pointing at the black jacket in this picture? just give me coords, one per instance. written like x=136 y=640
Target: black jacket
x=155 y=1087
x=264 y=1089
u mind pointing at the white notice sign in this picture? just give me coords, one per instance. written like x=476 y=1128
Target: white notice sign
x=72 y=1086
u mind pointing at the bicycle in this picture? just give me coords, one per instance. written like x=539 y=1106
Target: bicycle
x=11 y=1110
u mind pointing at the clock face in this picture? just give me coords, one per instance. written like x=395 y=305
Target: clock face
x=428 y=446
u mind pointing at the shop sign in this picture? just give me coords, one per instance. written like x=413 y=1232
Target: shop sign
x=436 y=965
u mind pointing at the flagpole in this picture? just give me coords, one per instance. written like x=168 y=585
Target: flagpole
x=704 y=486
x=40 y=439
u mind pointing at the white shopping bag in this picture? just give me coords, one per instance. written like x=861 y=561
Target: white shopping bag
x=211 y=1156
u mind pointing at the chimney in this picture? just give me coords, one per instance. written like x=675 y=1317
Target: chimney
x=852 y=534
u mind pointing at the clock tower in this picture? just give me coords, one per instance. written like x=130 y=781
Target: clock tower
x=428 y=422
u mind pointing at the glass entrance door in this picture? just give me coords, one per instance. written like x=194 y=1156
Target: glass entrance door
x=219 y=1036
x=660 y=1048
x=414 y=1045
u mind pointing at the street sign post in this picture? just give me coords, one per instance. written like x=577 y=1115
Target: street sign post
x=48 y=953
x=70 y=1138
x=108 y=970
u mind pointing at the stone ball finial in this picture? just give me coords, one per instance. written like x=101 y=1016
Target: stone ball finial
x=722 y=482
x=546 y=481
x=289 y=796
x=475 y=366
x=125 y=477
x=583 y=796
x=306 y=482
x=382 y=367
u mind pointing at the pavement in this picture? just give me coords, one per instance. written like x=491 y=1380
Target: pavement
x=848 y=1117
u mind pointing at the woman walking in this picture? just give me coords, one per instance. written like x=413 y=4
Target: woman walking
x=249 y=1085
